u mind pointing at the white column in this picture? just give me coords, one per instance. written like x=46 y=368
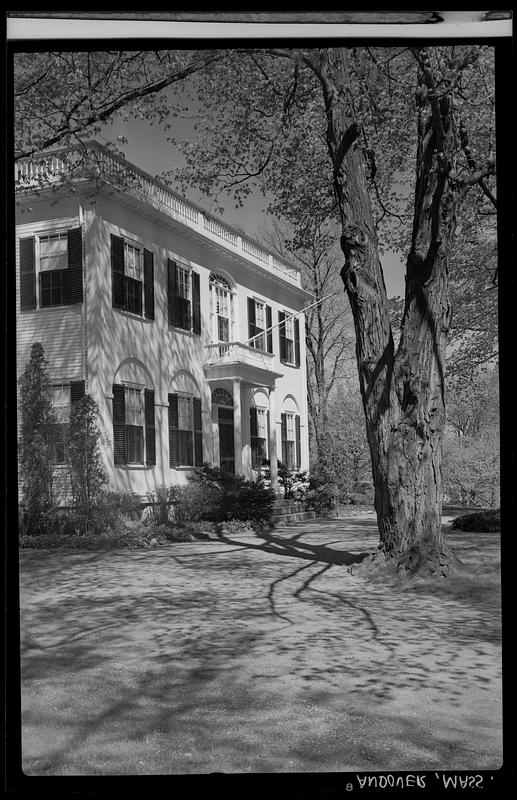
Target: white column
x=237 y=426
x=273 y=465
x=214 y=422
x=245 y=433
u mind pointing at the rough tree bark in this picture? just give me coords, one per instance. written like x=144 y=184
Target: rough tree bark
x=402 y=391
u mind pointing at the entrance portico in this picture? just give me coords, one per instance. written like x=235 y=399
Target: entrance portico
x=239 y=370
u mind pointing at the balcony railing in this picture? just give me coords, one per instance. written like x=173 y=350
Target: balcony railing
x=100 y=163
x=236 y=352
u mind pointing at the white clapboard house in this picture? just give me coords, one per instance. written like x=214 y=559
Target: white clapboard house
x=185 y=332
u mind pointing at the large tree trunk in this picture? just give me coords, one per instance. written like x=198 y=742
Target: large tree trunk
x=402 y=392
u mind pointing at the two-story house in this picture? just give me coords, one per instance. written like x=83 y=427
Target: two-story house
x=186 y=333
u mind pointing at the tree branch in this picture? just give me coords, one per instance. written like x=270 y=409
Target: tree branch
x=122 y=100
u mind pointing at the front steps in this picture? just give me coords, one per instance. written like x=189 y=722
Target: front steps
x=285 y=511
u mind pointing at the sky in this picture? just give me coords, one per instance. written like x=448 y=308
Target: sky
x=148 y=149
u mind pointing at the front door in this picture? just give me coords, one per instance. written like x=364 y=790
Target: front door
x=226 y=444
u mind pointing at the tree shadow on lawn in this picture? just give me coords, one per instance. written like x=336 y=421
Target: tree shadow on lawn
x=198 y=703
x=293 y=547
x=135 y=665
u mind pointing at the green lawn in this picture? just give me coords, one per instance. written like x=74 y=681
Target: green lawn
x=258 y=655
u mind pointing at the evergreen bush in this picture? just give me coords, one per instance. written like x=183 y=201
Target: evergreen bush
x=230 y=496
x=34 y=450
x=479 y=521
x=87 y=476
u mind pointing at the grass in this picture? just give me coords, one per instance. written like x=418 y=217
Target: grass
x=258 y=653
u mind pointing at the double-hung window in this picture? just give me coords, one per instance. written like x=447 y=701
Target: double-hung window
x=64 y=396
x=291 y=440
x=221 y=303
x=61 y=405
x=259 y=435
x=183 y=299
x=51 y=271
x=289 y=333
x=133 y=425
x=259 y=325
x=132 y=275
x=185 y=431
x=133 y=268
x=184 y=304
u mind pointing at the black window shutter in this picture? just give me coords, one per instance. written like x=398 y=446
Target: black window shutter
x=253 y=437
x=149 y=284
x=198 y=432
x=283 y=421
x=173 y=430
x=253 y=422
x=117 y=271
x=297 y=341
x=196 y=304
x=281 y=332
x=298 y=441
x=27 y=274
x=75 y=265
x=76 y=391
x=119 y=424
x=251 y=319
x=171 y=291
x=283 y=428
x=269 y=322
x=150 y=431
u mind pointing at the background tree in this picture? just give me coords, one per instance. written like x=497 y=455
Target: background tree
x=87 y=476
x=471 y=443
x=35 y=453
x=328 y=323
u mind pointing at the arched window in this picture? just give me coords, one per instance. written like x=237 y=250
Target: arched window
x=133 y=416
x=290 y=433
x=221 y=307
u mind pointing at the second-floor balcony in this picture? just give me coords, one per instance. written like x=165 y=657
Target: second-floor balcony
x=240 y=361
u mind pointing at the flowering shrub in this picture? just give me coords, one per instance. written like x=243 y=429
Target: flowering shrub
x=294 y=484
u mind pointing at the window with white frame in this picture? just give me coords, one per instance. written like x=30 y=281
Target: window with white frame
x=221 y=300
x=53 y=270
x=50 y=269
x=134 y=434
x=134 y=425
x=259 y=436
x=260 y=323
x=291 y=440
x=289 y=340
x=183 y=298
x=185 y=430
x=133 y=273
x=61 y=405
